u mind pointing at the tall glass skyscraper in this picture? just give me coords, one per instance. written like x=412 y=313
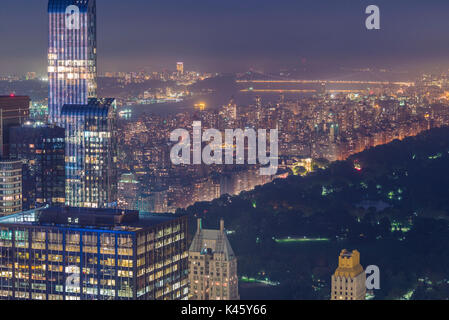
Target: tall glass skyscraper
x=91 y=153
x=72 y=54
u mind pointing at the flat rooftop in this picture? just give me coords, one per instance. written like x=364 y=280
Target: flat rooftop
x=88 y=218
x=13 y=96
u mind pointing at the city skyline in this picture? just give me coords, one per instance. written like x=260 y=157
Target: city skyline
x=342 y=109
x=263 y=35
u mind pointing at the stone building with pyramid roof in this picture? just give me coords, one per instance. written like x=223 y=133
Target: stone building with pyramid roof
x=212 y=266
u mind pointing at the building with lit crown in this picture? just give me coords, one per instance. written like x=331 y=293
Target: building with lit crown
x=349 y=280
x=72 y=54
x=92 y=254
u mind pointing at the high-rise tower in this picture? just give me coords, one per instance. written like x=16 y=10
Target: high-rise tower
x=72 y=54
x=91 y=153
x=180 y=68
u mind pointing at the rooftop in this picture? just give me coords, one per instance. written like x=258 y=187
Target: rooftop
x=13 y=96
x=99 y=107
x=88 y=218
x=212 y=241
x=60 y=6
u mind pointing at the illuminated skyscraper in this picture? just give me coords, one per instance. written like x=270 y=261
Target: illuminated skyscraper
x=229 y=111
x=72 y=54
x=91 y=154
x=180 y=68
x=349 y=280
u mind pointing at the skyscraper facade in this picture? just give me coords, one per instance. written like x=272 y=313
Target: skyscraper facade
x=92 y=254
x=41 y=148
x=91 y=154
x=14 y=110
x=128 y=191
x=10 y=186
x=72 y=54
x=212 y=266
x=349 y=280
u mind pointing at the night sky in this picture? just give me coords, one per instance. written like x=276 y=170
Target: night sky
x=235 y=35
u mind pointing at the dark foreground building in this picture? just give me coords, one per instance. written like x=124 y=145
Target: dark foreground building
x=92 y=254
x=41 y=148
x=14 y=110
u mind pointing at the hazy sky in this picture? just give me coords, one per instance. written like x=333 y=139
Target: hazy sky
x=235 y=35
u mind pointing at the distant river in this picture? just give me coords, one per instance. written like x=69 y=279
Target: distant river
x=213 y=101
